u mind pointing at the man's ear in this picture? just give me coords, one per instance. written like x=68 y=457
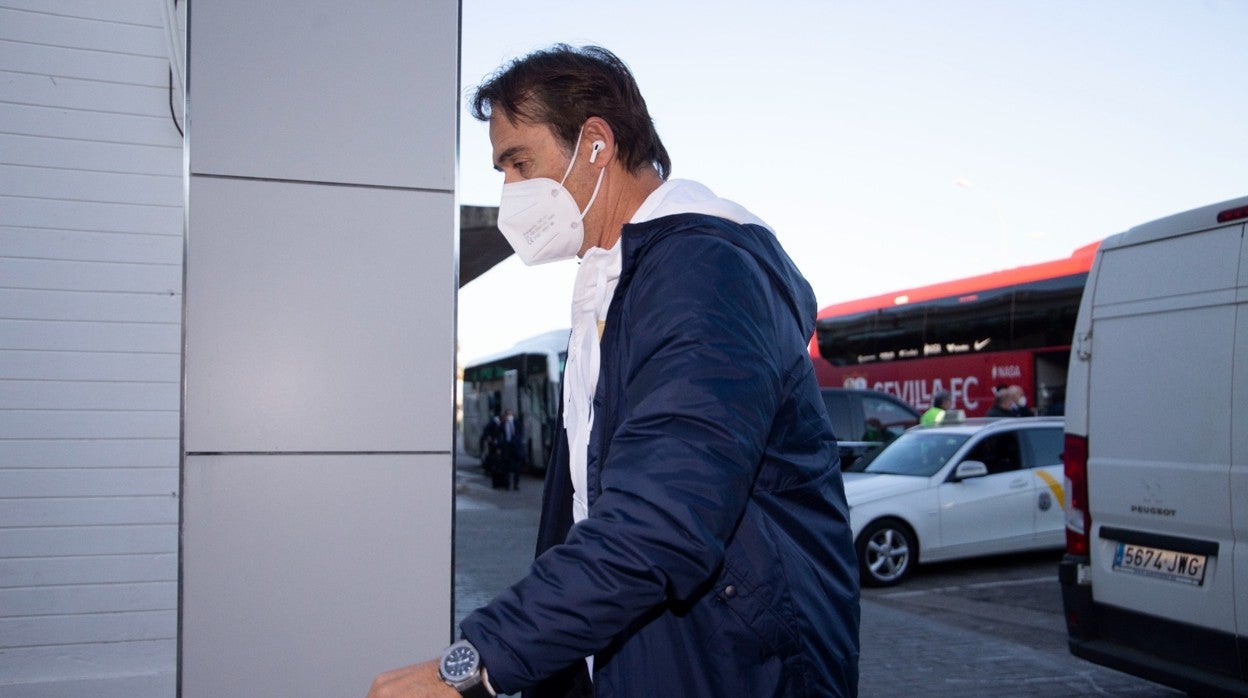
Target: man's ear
x=601 y=141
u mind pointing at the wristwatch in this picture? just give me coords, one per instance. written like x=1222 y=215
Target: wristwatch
x=461 y=669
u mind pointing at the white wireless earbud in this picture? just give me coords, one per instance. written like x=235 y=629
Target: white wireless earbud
x=594 y=148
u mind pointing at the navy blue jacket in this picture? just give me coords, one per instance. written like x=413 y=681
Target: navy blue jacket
x=717 y=559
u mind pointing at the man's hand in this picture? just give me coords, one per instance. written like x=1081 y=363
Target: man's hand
x=415 y=681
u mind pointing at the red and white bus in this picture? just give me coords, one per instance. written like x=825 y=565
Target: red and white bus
x=967 y=336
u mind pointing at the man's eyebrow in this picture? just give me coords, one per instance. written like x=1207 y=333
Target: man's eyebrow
x=507 y=155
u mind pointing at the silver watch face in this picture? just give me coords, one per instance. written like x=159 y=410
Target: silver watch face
x=460 y=662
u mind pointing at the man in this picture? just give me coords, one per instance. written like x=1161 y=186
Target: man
x=489 y=435
x=1003 y=403
x=936 y=413
x=513 y=449
x=492 y=460
x=1019 y=407
x=695 y=538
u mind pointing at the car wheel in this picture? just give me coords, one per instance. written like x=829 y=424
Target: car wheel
x=887 y=552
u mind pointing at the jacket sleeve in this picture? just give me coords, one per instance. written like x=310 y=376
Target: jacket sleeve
x=701 y=389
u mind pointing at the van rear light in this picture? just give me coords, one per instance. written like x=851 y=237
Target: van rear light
x=1078 y=521
x=1232 y=214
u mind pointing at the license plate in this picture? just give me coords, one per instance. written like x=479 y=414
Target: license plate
x=1187 y=568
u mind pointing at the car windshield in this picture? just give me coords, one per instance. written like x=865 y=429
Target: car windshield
x=917 y=453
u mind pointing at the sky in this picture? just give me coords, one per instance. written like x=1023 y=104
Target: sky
x=893 y=143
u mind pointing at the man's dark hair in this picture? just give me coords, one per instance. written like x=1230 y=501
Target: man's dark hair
x=563 y=86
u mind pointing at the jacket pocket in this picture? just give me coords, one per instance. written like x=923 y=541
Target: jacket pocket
x=753 y=589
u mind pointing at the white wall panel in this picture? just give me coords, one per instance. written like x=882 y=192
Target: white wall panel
x=77 y=245
x=42 y=151
x=75 y=366
x=320 y=323
x=36 y=334
x=90 y=510
x=59 y=61
x=92 y=570
x=88 y=540
x=158 y=305
x=114 y=598
x=82 y=424
x=311 y=593
x=101 y=127
x=44 y=183
x=366 y=96
x=61 y=275
x=98 y=670
x=90 y=338
x=128 y=12
x=91 y=482
x=102 y=217
x=88 y=395
x=86 y=453
x=77 y=93
x=318 y=318
x=41 y=631
x=121 y=30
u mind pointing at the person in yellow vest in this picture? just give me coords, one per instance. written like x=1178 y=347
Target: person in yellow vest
x=936 y=413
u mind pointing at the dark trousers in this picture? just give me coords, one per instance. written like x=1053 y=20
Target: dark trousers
x=514 y=465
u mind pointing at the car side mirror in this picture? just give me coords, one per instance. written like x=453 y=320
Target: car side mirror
x=968 y=469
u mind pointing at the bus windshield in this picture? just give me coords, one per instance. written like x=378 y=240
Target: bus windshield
x=917 y=453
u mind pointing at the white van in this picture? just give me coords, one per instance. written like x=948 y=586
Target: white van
x=1155 y=579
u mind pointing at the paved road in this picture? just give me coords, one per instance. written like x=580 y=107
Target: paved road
x=996 y=631
x=946 y=643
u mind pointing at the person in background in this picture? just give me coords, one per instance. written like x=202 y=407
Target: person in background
x=490 y=433
x=1057 y=402
x=1019 y=407
x=936 y=413
x=491 y=449
x=695 y=537
x=1003 y=404
x=512 y=441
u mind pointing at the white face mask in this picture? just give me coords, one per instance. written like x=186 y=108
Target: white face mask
x=540 y=218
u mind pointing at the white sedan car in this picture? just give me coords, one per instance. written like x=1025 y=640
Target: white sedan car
x=980 y=487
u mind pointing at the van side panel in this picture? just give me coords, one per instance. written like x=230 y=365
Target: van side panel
x=1239 y=447
x=1168 y=268
x=1163 y=323
x=1179 y=487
